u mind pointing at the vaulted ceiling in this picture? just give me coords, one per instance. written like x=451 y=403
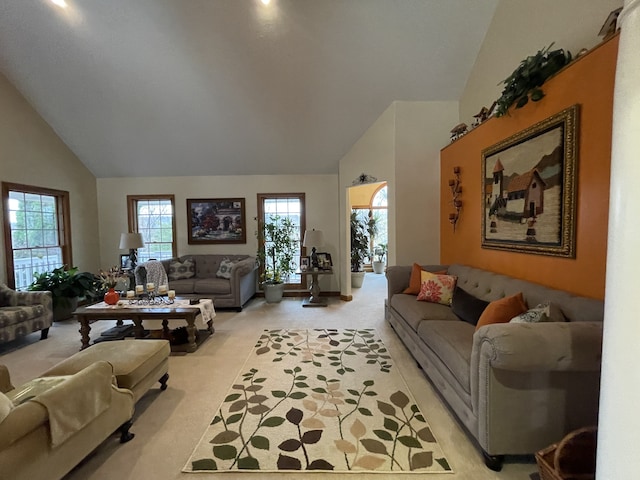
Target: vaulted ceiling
x=231 y=87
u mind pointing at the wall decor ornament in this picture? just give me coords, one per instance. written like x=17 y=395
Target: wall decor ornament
x=216 y=221
x=528 y=188
x=456 y=190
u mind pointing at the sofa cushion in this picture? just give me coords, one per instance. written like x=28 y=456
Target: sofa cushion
x=436 y=288
x=182 y=287
x=503 y=310
x=544 y=312
x=452 y=342
x=224 y=270
x=219 y=286
x=467 y=307
x=20 y=314
x=415 y=312
x=6 y=405
x=415 y=281
x=181 y=270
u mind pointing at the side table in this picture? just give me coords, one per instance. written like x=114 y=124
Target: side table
x=315 y=300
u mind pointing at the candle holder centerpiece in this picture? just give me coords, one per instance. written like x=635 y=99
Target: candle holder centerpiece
x=151 y=296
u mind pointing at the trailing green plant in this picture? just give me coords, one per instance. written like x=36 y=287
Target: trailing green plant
x=279 y=239
x=359 y=242
x=525 y=81
x=65 y=283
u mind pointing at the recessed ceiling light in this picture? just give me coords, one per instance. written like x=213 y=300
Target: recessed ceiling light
x=266 y=2
x=60 y=3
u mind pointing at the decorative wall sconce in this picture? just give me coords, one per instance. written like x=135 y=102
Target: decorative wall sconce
x=456 y=190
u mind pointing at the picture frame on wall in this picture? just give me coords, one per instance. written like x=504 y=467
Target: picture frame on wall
x=216 y=221
x=528 y=188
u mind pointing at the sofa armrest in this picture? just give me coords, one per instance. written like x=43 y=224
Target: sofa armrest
x=547 y=346
x=244 y=267
x=34 y=297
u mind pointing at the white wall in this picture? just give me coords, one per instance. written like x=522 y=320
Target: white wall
x=618 y=432
x=422 y=130
x=321 y=200
x=32 y=154
x=372 y=154
x=522 y=27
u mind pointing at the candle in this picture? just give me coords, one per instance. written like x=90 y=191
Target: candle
x=171 y=294
x=456 y=169
x=151 y=286
x=162 y=289
x=131 y=293
x=451 y=183
x=139 y=289
x=452 y=216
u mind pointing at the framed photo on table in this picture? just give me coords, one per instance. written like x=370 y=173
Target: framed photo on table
x=324 y=261
x=125 y=262
x=304 y=264
x=216 y=221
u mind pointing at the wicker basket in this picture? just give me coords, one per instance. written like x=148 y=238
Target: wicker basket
x=571 y=459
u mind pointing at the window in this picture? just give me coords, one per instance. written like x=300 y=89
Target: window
x=154 y=217
x=285 y=205
x=37 y=232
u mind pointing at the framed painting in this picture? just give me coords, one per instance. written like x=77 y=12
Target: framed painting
x=216 y=221
x=528 y=189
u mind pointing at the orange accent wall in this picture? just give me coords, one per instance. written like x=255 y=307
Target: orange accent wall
x=589 y=82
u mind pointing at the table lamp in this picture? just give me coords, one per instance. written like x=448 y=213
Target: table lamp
x=313 y=238
x=132 y=242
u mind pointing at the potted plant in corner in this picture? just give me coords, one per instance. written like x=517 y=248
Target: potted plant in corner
x=65 y=287
x=279 y=240
x=379 y=258
x=359 y=250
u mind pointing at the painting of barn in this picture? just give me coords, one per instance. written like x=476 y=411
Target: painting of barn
x=528 y=188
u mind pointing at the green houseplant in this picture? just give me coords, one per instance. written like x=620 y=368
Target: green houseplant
x=278 y=238
x=526 y=80
x=66 y=286
x=359 y=249
x=379 y=258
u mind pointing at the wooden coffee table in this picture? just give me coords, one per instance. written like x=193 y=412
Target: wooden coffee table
x=188 y=313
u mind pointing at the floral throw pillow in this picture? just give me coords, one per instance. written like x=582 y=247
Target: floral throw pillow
x=436 y=288
x=224 y=271
x=182 y=270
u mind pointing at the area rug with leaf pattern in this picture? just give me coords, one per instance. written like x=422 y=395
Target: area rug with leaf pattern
x=328 y=400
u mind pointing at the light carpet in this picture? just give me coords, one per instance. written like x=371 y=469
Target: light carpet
x=319 y=399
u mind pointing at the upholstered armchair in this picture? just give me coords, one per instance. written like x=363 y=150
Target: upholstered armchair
x=22 y=313
x=48 y=425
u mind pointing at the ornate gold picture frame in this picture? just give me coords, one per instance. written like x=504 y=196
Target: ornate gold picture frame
x=528 y=188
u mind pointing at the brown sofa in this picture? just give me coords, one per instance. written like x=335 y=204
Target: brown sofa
x=202 y=278
x=516 y=387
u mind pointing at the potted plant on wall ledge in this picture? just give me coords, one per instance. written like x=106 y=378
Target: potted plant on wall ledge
x=66 y=286
x=279 y=241
x=359 y=250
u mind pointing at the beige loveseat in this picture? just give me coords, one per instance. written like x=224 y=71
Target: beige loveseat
x=230 y=284
x=49 y=433
x=516 y=387
x=22 y=313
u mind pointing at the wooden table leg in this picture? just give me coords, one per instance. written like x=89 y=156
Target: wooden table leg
x=137 y=326
x=84 y=331
x=191 y=333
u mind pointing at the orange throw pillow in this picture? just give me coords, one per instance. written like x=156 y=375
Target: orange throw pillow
x=415 y=282
x=503 y=310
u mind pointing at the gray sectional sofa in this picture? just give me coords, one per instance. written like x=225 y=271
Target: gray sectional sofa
x=516 y=387
x=206 y=279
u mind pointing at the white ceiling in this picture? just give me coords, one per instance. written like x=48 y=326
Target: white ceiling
x=226 y=87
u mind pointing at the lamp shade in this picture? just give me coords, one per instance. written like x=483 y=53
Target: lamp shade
x=130 y=241
x=312 y=238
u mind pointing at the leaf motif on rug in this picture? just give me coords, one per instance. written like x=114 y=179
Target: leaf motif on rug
x=321 y=399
